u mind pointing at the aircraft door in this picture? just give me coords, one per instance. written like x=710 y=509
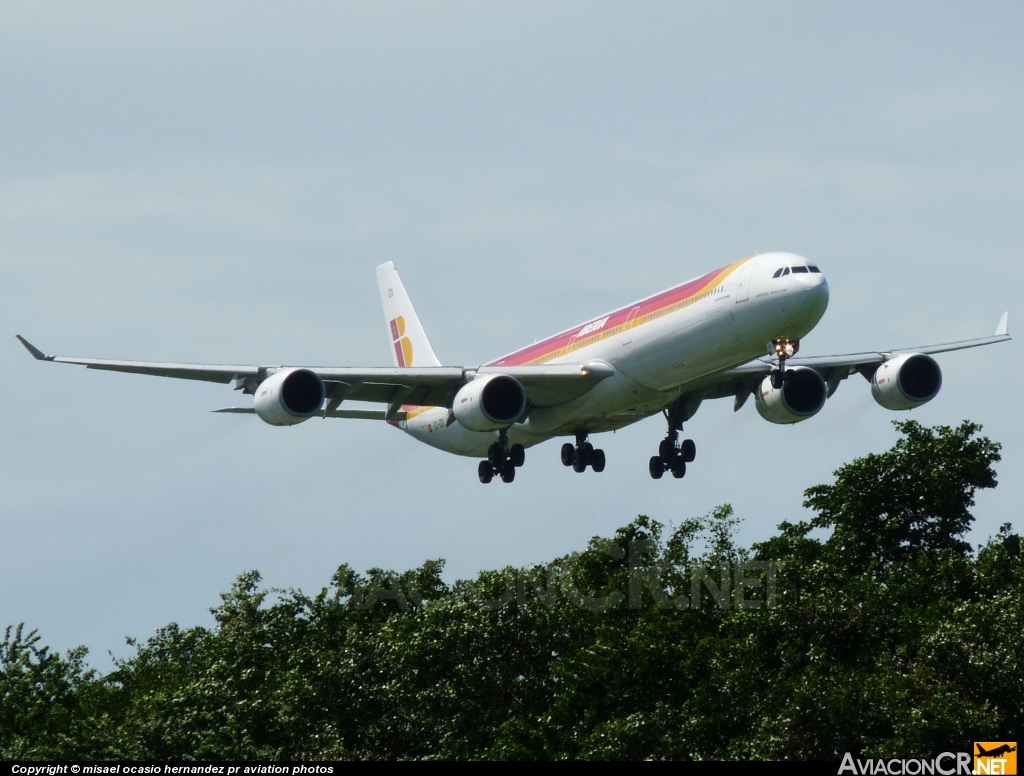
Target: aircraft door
x=627 y=327
x=743 y=282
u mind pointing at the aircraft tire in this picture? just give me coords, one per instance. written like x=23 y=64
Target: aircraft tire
x=579 y=461
x=495 y=455
x=517 y=455
x=485 y=472
x=679 y=468
x=666 y=450
x=567 y=454
x=689 y=450
x=508 y=472
x=656 y=467
x=597 y=460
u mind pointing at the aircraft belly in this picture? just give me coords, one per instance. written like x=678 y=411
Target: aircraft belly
x=431 y=427
x=614 y=402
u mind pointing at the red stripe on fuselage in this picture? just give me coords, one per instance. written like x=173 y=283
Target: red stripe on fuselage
x=555 y=346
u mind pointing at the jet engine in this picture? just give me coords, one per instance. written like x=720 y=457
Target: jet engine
x=289 y=397
x=906 y=381
x=802 y=396
x=489 y=403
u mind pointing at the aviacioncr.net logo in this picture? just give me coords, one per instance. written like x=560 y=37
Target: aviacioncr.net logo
x=946 y=764
x=998 y=757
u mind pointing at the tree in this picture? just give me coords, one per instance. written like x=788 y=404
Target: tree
x=886 y=638
x=914 y=497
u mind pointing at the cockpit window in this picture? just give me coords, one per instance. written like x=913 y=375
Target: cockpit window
x=812 y=268
x=799 y=269
x=778 y=273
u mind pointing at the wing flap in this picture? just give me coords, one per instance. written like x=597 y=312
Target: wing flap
x=353 y=414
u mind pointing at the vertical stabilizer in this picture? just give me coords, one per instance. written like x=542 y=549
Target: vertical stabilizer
x=409 y=343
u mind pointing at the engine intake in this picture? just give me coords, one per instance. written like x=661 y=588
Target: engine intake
x=801 y=397
x=489 y=403
x=289 y=397
x=906 y=381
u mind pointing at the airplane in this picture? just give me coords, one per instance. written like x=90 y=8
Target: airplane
x=1004 y=749
x=731 y=333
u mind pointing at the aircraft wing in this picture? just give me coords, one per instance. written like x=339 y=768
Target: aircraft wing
x=743 y=380
x=425 y=386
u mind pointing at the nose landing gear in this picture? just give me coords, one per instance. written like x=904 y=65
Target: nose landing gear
x=783 y=349
x=501 y=460
x=582 y=454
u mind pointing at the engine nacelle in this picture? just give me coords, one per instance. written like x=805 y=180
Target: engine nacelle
x=801 y=397
x=489 y=402
x=906 y=381
x=289 y=397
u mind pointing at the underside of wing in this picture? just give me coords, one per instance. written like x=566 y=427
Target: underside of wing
x=435 y=386
x=741 y=381
x=352 y=414
x=214 y=373
x=549 y=386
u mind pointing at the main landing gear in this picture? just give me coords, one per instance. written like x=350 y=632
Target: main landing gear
x=501 y=460
x=672 y=456
x=582 y=454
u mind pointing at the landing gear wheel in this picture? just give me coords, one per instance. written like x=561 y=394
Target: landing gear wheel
x=502 y=459
x=582 y=454
x=673 y=455
x=517 y=455
x=496 y=455
x=656 y=467
x=579 y=461
x=688 y=450
x=567 y=453
x=667 y=449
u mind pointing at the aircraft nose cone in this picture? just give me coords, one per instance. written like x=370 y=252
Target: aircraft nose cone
x=816 y=291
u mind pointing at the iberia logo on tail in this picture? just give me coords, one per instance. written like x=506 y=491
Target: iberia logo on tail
x=995 y=757
x=403 y=346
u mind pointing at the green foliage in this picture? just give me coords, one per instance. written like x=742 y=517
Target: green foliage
x=51 y=707
x=912 y=498
x=889 y=637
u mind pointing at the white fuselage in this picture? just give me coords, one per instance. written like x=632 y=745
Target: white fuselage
x=657 y=347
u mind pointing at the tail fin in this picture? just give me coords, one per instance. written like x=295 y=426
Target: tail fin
x=407 y=336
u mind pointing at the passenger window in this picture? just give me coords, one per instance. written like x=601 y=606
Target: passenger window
x=799 y=269
x=812 y=268
x=778 y=273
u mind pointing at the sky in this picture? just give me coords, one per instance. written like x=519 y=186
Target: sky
x=216 y=182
